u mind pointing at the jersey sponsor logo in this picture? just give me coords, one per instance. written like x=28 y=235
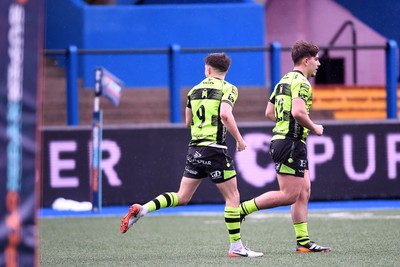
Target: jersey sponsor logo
x=304 y=91
x=231 y=98
x=283 y=89
x=205 y=93
x=209 y=81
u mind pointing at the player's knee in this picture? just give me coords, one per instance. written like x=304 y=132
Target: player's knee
x=233 y=199
x=305 y=195
x=291 y=197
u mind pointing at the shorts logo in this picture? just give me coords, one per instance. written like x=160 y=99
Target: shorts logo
x=203 y=162
x=216 y=174
x=191 y=171
x=197 y=154
x=277 y=166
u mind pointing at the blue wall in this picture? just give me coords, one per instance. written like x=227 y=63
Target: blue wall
x=382 y=16
x=159 y=26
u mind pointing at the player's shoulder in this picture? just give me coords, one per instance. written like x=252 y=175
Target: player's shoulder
x=197 y=86
x=226 y=83
x=229 y=86
x=295 y=76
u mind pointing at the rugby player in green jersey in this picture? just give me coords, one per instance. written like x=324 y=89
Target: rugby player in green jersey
x=209 y=116
x=289 y=106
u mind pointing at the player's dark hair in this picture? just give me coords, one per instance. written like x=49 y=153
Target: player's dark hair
x=219 y=61
x=303 y=49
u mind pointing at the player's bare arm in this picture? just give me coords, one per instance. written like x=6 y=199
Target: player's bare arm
x=229 y=121
x=188 y=117
x=300 y=114
x=270 y=112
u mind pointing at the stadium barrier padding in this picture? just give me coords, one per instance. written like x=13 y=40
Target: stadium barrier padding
x=353 y=160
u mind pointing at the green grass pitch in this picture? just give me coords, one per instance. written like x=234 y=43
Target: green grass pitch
x=358 y=238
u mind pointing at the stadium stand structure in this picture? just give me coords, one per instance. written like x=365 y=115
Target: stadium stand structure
x=352 y=102
x=137 y=106
x=149 y=103
x=377 y=15
x=152 y=106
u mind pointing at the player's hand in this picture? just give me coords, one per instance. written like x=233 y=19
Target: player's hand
x=240 y=145
x=318 y=129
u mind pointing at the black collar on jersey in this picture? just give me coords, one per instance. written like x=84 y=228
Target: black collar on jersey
x=298 y=72
x=215 y=78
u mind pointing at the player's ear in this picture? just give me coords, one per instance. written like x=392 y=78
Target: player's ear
x=208 y=70
x=306 y=61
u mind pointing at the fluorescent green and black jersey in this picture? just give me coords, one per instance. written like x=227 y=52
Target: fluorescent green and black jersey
x=205 y=100
x=292 y=85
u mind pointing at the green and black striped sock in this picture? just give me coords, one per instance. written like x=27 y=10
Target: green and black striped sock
x=248 y=207
x=163 y=201
x=301 y=233
x=232 y=221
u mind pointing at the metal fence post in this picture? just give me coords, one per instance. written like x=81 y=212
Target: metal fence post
x=275 y=64
x=72 y=85
x=174 y=84
x=392 y=72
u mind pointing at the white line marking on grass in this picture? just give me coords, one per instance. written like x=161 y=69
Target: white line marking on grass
x=356 y=216
x=327 y=215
